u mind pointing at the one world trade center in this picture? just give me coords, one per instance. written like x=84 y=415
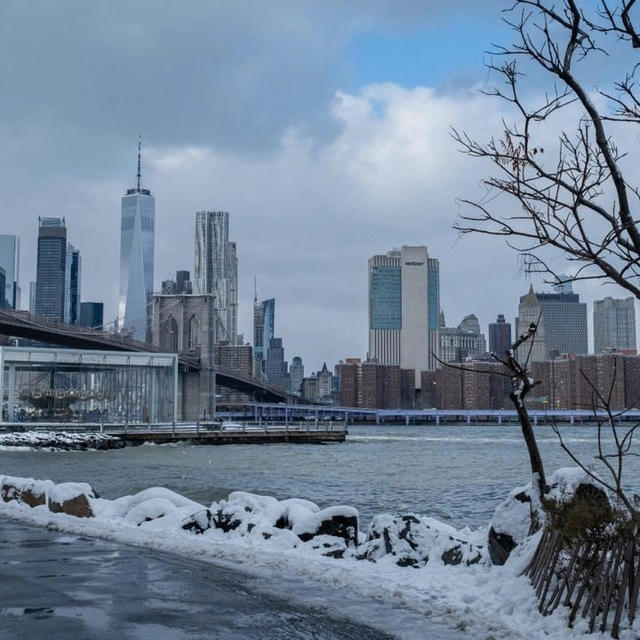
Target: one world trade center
x=137 y=232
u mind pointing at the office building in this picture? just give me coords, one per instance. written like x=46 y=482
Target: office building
x=92 y=315
x=296 y=374
x=137 y=242
x=404 y=308
x=51 y=268
x=275 y=366
x=614 y=325
x=500 y=336
x=10 y=262
x=72 y=286
x=561 y=324
x=32 y=296
x=3 y=279
x=216 y=269
x=183 y=282
x=264 y=316
x=464 y=342
x=237 y=358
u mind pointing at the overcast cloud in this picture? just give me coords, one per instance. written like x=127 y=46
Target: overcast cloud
x=248 y=107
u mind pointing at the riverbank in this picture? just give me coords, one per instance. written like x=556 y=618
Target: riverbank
x=60 y=441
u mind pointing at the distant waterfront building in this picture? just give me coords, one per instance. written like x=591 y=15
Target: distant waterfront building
x=373 y=385
x=264 y=316
x=72 y=285
x=500 y=336
x=32 y=296
x=237 y=358
x=562 y=323
x=10 y=262
x=137 y=242
x=216 y=269
x=275 y=366
x=404 y=301
x=51 y=268
x=92 y=314
x=296 y=374
x=183 y=282
x=614 y=324
x=3 y=279
x=464 y=342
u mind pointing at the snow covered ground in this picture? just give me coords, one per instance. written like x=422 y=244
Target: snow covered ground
x=283 y=540
x=62 y=441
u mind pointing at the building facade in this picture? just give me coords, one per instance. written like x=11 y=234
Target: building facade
x=72 y=283
x=264 y=316
x=10 y=262
x=137 y=246
x=404 y=300
x=500 y=336
x=614 y=325
x=51 y=268
x=296 y=374
x=463 y=342
x=275 y=366
x=92 y=315
x=216 y=269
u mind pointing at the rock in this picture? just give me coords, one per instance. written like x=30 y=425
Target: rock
x=510 y=525
x=71 y=498
x=339 y=522
x=412 y=541
x=199 y=522
x=24 y=490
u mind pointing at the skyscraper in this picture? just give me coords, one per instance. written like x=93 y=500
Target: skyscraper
x=216 y=269
x=264 y=314
x=403 y=313
x=275 y=365
x=51 y=268
x=137 y=240
x=614 y=324
x=562 y=323
x=296 y=374
x=91 y=314
x=10 y=262
x=72 y=285
x=500 y=336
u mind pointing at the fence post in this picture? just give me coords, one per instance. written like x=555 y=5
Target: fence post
x=198 y=427
x=173 y=427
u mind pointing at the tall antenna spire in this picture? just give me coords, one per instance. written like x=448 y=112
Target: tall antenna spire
x=139 y=151
x=255 y=291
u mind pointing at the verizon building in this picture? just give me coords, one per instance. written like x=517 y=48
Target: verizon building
x=404 y=305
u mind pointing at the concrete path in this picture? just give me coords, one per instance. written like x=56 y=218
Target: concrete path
x=64 y=587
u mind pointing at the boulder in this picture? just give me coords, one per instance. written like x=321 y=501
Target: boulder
x=338 y=522
x=72 y=498
x=24 y=490
x=148 y=510
x=510 y=525
x=411 y=541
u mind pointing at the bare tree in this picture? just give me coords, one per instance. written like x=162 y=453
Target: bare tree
x=573 y=199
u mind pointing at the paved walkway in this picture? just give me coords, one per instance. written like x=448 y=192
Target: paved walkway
x=65 y=587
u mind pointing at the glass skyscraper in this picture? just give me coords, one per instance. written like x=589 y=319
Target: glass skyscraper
x=72 y=286
x=51 y=268
x=10 y=262
x=264 y=318
x=137 y=240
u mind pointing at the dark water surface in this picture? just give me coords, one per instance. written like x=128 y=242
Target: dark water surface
x=455 y=473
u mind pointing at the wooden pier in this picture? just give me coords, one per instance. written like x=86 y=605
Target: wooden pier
x=204 y=434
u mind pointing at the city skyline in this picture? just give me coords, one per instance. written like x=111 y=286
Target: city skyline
x=358 y=160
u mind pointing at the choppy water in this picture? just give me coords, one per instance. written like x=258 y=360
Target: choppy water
x=455 y=473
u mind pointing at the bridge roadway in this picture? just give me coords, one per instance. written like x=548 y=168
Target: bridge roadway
x=21 y=324
x=291 y=413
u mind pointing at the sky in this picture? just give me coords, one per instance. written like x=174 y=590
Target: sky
x=322 y=127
